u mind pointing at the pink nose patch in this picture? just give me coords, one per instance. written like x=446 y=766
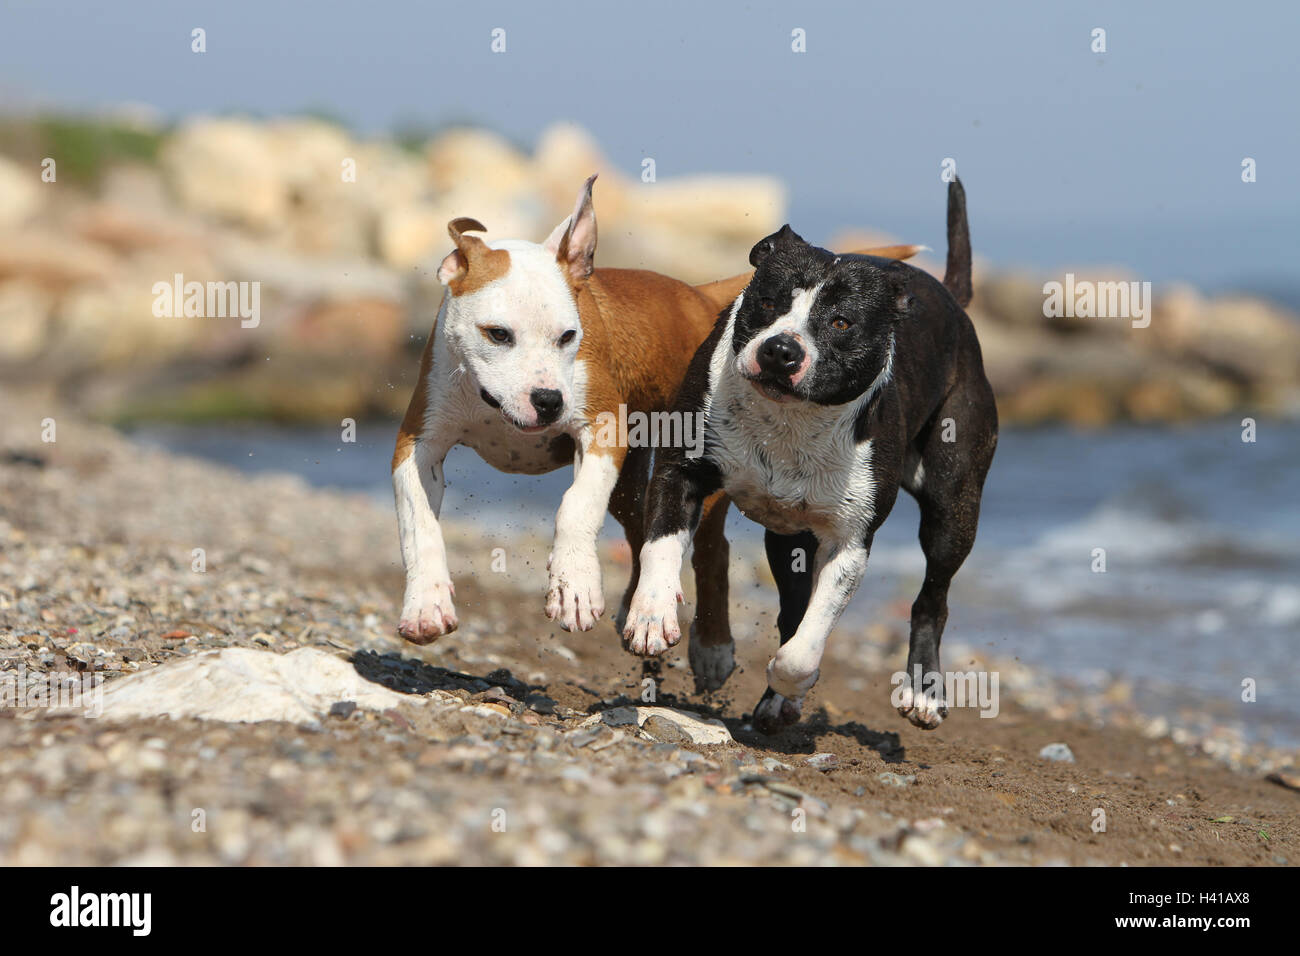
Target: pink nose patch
x=797 y=377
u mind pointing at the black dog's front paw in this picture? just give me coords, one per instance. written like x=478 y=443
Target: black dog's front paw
x=923 y=701
x=774 y=713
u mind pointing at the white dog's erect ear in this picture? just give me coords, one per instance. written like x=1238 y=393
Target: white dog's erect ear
x=471 y=264
x=552 y=243
x=574 y=241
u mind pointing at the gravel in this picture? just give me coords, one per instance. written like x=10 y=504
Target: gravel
x=508 y=742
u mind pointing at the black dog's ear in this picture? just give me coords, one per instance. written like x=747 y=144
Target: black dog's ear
x=903 y=304
x=765 y=247
x=903 y=299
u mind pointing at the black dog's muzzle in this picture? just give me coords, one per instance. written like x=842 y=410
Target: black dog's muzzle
x=781 y=355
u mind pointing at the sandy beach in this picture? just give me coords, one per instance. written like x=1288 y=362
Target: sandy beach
x=510 y=741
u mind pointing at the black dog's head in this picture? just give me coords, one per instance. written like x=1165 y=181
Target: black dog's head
x=815 y=326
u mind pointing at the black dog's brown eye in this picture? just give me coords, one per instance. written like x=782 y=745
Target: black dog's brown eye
x=767 y=304
x=840 y=324
x=499 y=335
x=568 y=336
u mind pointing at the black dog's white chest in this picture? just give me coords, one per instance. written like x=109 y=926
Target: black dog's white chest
x=796 y=483
x=789 y=466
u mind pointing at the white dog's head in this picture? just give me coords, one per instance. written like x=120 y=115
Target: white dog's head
x=512 y=315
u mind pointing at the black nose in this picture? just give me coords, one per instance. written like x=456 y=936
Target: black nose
x=548 y=402
x=780 y=355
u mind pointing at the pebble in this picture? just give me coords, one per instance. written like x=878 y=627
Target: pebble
x=540 y=703
x=1057 y=752
x=495 y=695
x=664 y=730
x=896 y=779
x=923 y=851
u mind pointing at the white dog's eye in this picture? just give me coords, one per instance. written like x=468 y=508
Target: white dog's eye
x=568 y=337
x=499 y=335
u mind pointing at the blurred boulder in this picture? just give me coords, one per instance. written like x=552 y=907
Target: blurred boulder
x=111 y=325
x=1248 y=340
x=467 y=155
x=20 y=193
x=343 y=236
x=416 y=235
x=1011 y=299
x=24 y=320
x=740 y=209
x=358 y=327
x=53 y=259
x=565 y=156
x=227 y=169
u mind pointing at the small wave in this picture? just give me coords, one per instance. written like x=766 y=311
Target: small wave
x=1131 y=537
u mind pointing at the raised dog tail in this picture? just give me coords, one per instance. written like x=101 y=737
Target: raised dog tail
x=956 y=277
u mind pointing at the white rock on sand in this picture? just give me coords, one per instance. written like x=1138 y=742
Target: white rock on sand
x=1061 y=753
x=691 y=727
x=243 y=685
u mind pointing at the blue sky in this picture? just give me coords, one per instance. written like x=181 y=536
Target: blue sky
x=1070 y=158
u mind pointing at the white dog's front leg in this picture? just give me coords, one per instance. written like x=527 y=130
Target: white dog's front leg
x=575 y=597
x=652 y=626
x=427 y=609
x=795 y=668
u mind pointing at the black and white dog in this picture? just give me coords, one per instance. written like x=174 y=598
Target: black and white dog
x=831 y=381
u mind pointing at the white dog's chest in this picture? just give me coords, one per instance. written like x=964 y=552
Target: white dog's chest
x=507 y=449
x=459 y=411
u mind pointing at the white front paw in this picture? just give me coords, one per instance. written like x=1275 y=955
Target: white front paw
x=926 y=709
x=427 y=612
x=575 y=597
x=651 y=626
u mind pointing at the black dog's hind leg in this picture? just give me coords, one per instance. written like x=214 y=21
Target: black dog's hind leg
x=948 y=487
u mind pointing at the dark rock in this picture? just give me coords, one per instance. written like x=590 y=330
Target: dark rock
x=540 y=703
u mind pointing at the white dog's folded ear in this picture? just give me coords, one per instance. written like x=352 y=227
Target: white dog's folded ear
x=573 y=242
x=458 y=227
x=472 y=263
